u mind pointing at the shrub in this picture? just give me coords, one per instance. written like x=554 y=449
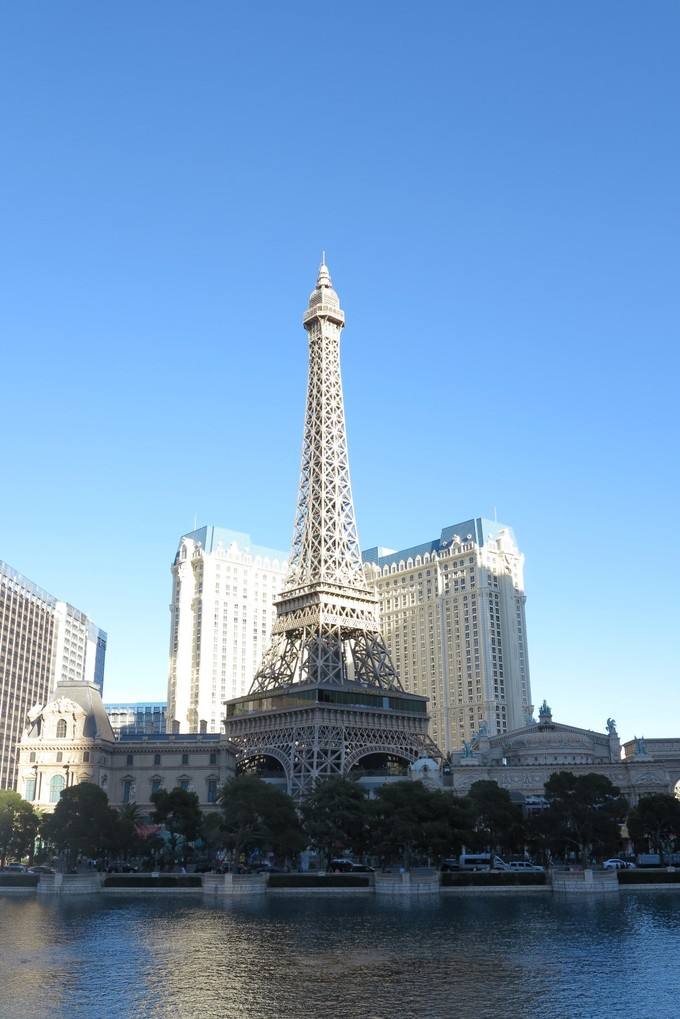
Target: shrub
x=318 y=881
x=146 y=881
x=19 y=880
x=462 y=879
x=649 y=877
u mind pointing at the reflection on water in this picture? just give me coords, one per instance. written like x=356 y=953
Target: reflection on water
x=354 y=958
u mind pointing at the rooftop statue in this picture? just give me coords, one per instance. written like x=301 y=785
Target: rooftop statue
x=611 y=727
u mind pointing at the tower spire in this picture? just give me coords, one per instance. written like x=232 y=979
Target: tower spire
x=326 y=693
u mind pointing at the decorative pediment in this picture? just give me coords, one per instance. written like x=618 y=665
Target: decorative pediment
x=63 y=706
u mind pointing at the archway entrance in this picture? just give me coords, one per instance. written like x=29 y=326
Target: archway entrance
x=381 y=766
x=266 y=767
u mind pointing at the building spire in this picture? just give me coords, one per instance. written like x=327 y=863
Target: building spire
x=324 y=277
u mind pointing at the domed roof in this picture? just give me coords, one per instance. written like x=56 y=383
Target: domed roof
x=424 y=764
x=87 y=697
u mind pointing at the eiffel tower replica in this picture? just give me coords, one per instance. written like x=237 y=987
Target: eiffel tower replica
x=326 y=697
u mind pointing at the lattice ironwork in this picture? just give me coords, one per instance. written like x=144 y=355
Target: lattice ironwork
x=319 y=746
x=327 y=619
x=326 y=633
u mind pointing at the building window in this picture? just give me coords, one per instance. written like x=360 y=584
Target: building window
x=61 y=728
x=156 y=760
x=29 y=793
x=184 y=784
x=60 y=756
x=56 y=786
x=86 y=756
x=129 y=760
x=212 y=790
x=156 y=784
x=185 y=758
x=128 y=790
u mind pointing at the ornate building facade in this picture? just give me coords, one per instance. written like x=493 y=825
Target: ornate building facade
x=523 y=760
x=452 y=613
x=327 y=697
x=69 y=739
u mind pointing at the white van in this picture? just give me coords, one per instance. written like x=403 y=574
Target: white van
x=481 y=861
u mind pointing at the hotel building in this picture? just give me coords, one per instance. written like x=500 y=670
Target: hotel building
x=43 y=641
x=221 y=617
x=452 y=613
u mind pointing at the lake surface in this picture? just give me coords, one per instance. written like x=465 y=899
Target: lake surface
x=352 y=958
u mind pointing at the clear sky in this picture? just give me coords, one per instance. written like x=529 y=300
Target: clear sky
x=497 y=188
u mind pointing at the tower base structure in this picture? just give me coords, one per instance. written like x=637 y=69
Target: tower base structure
x=309 y=732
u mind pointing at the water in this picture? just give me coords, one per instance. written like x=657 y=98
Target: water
x=515 y=957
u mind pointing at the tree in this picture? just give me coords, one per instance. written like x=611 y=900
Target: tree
x=179 y=811
x=257 y=815
x=18 y=826
x=334 y=817
x=126 y=838
x=407 y=820
x=498 y=822
x=656 y=818
x=82 y=822
x=588 y=811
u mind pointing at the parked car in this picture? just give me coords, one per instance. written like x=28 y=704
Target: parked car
x=341 y=865
x=481 y=861
x=41 y=870
x=14 y=868
x=450 y=865
x=617 y=864
x=362 y=868
x=525 y=866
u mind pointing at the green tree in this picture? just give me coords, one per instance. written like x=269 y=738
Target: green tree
x=587 y=811
x=126 y=840
x=407 y=821
x=257 y=815
x=334 y=817
x=498 y=822
x=178 y=810
x=656 y=818
x=18 y=826
x=82 y=822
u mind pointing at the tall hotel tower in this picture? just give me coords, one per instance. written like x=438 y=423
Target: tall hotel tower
x=452 y=612
x=221 y=617
x=42 y=642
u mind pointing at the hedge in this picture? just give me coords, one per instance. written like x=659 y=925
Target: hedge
x=19 y=880
x=318 y=881
x=146 y=881
x=649 y=877
x=459 y=879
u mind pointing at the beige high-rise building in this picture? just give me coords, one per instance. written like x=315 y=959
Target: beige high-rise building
x=452 y=613
x=221 y=617
x=42 y=642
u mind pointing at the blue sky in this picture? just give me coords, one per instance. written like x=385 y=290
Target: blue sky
x=496 y=186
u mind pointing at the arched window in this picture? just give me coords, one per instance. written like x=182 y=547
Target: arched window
x=56 y=786
x=61 y=728
x=156 y=784
x=184 y=783
x=129 y=795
